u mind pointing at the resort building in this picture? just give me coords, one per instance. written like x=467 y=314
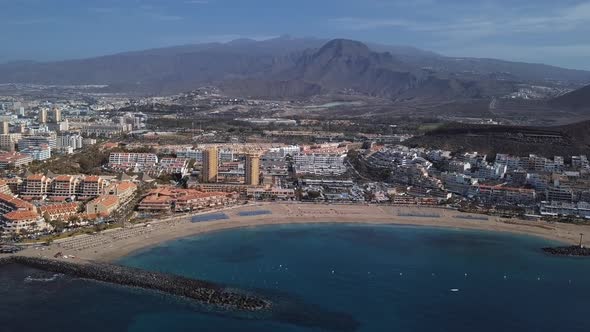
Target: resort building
x=558 y=209
x=64 y=186
x=91 y=186
x=501 y=194
x=102 y=205
x=9 y=203
x=173 y=165
x=36 y=186
x=197 y=155
x=124 y=190
x=39 y=153
x=320 y=164
x=18 y=216
x=14 y=160
x=5 y=188
x=61 y=211
x=18 y=222
x=181 y=200
x=130 y=160
x=222 y=187
x=270 y=193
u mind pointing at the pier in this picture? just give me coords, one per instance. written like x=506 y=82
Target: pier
x=574 y=251
x=202 y=291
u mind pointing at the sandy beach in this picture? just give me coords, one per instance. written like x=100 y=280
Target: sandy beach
x=114 y=244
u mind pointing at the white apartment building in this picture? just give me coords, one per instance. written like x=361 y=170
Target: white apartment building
x=127 y=160
x=73 y=141
x=320 y=164
x=42 y=152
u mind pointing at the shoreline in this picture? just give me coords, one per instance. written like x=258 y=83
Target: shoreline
x=112 y=245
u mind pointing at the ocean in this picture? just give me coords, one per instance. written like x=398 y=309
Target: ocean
x=324 y=278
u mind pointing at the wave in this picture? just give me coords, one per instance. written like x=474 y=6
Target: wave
x=50 y=279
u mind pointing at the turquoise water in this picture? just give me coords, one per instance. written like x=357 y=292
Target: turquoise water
x=326 y=278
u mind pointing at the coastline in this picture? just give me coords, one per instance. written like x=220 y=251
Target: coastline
x=114 y=244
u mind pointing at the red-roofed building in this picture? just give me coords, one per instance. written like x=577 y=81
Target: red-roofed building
x=91 y=186
x=19 y=216
x=181 y=200
x=14 y=160
x=500 y=194
x=9 y=203
x=64 y=186
x=17 y=222
x=59 y=211
x=124 y=190
x=36 y=186
x=103 y=205
x=4 y=188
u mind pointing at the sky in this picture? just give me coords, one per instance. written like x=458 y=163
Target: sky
x=555 y=32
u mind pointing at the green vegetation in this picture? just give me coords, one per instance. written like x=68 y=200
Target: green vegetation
x=88 y=161
x=426 y=127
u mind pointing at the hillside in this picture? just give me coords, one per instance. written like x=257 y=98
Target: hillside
x=565 y=140
x=578 y=99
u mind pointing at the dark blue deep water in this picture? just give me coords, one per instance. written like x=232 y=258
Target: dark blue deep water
x=325 y=278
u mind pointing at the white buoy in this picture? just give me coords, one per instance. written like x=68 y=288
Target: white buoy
x=454 y=290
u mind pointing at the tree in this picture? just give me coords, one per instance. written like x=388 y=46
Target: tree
x=58 y=225
x=314 y=194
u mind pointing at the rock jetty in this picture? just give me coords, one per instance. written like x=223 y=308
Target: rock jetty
x=201 y=291
x=568 y=251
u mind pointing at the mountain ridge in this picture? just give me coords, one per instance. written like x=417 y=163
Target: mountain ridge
x=303 y=65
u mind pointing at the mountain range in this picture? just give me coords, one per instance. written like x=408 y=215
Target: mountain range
x=288 y=67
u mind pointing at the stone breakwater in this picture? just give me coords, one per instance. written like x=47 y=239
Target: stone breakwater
x=568 y=251
x=202 y=291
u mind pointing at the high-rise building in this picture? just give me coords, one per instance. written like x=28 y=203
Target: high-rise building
x=8 y=142
x=43 y=115
x=5 y=128
x=56 y=115
x=37 y=141
x=210 y=165
x=252 y=170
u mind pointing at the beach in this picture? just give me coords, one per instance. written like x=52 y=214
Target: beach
x=110 y=245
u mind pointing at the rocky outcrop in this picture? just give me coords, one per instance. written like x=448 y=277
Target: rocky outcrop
x=568 y=251
x=202 y=291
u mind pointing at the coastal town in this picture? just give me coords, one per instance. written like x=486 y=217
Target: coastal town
x=336 y=166
x=70 y=168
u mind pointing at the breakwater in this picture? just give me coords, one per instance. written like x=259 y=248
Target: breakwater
x=568 y=251
x=202 y=291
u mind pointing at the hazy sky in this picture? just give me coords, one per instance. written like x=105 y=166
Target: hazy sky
x=551 y=31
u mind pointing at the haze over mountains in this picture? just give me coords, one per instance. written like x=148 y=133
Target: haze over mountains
x=295 y=67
